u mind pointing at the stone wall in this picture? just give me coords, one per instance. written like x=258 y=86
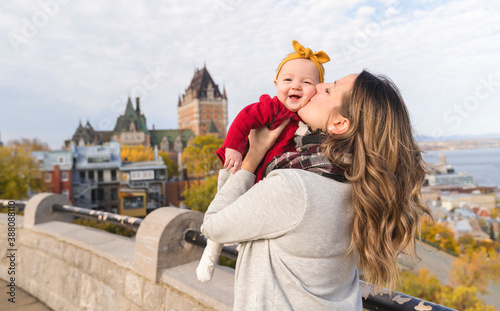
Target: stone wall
x=71 y=267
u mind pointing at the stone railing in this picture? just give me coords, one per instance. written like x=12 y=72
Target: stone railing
x=72 y=267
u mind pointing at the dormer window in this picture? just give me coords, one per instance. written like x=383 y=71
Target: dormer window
x=210 y=91
x=132 y=127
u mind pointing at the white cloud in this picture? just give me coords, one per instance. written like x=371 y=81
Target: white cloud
x=89 y=57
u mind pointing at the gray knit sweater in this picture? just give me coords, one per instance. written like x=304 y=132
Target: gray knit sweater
x=294 y=228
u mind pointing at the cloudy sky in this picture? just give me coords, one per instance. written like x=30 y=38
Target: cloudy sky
x=62 y=62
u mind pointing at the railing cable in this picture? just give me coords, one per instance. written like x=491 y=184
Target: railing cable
x=389 y=301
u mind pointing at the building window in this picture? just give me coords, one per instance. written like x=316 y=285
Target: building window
x=61 y=160
x=113 y=175
x=114 y=194
x=64 y=176
x=40 y=162
x=133 y=202
x=100 y=176
x=48 y=177
x=91 y=175
x=82 y=176
x=100 y=194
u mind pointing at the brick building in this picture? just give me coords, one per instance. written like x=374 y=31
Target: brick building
x=56 y=169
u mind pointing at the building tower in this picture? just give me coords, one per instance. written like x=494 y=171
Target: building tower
x=130 y=128
x=203 y=108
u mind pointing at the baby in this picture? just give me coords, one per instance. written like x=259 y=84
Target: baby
x=296 y=79
x=295 y=82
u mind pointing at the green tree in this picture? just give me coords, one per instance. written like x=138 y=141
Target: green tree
x=198 y=197
x=199 y=156
x=172 y=167
x=18 y=173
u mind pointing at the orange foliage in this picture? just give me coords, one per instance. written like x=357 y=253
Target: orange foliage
x=439 y=235
x=477 y=269
x=137 y=153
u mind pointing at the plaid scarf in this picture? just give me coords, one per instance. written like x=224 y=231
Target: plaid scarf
x=308 y=157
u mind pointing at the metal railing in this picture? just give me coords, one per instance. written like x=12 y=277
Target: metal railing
x=116 y=219
x=19 y=205
x=385 y=300
x=396 y=301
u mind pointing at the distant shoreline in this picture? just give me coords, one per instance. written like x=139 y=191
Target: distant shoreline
x=460 y=144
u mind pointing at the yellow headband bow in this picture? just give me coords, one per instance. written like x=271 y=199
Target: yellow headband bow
x=301 y=52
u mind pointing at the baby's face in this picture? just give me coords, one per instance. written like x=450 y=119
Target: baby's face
x=296 y=83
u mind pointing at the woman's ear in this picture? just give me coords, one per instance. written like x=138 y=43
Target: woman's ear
x=339 y=126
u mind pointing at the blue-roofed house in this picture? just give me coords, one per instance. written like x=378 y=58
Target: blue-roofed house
x=96 y=176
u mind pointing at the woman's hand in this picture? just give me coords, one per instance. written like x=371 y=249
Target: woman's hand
x=260 y=140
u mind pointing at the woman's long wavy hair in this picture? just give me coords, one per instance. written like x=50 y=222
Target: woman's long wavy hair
x=386 y=172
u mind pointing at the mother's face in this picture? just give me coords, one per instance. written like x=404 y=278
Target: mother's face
x=322 y=111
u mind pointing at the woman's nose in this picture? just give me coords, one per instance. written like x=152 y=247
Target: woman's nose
x=319 y=87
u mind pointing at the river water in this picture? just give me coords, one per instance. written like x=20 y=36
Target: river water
x=483 y=164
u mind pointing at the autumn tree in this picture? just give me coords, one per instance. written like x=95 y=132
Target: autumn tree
x=439 y=235
x=477 y=268
x=172 y=167
x=495 y=212
x=426 y=286
x=18 y=173
x=29 y=145
x=199 y=156
x=199 y=196
x=137 y=153
x=462 y=298
x=423 y=284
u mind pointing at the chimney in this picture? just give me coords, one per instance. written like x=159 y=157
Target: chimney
x=138 y=106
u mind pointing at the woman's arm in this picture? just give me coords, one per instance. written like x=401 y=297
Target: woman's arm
x=242 y=211
x=248 y=207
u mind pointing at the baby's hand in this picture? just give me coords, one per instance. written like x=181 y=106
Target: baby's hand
x=233 y=159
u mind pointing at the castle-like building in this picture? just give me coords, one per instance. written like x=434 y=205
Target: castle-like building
x=95 y=176
x=203 y=108
x=131 y=130
x=202 y=111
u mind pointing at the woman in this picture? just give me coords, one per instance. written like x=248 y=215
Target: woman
x=305 y=229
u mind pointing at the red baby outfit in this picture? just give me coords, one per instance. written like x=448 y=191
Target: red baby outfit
x=267 y=111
